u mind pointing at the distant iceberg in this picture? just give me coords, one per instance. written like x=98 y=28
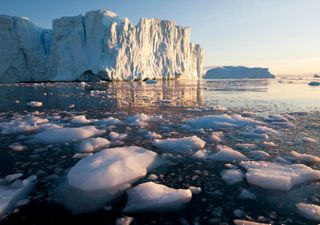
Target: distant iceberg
x=96 y=46
x=238 y=72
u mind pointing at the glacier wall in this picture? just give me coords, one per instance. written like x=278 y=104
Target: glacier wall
x=97 y=46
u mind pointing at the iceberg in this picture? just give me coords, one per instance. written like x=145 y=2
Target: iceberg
x=238 y=72
x=96 y=46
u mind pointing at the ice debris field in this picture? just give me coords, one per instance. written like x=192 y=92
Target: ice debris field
x=223 y=166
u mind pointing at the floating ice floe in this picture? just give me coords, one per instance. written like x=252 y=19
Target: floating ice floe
x=245 y=194
x=13 y=177
x=28 y=124
x=92 y=144
x=109 y=121
x=222 y=122
x=180 y=145
x=278 y=176
x=217 y=137
x=156 y=198
x=34 y=104
x=269 y=144
x=255 y=135
x=309 y=140
x=62 y=135
x=81 y=119
x=259 y=155
x=265 y=130
x=277 y=118
x=232 y=176
x=246 y=222
x=224 y=153
x=246 y=146
x=100 y=178
x=114 y=136
x=11 y=194
x=152 y=135
x=141 y=119
x=306 y=158
x=309 y=211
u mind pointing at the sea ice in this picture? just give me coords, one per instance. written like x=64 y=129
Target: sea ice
x=139 y=120
x=232 y=176
x=62 y=135
x=11 y=194
x=100 y=178
x=217 y=136
x=114 y=136
x=246 y=222
x=92 y=144
x=224 y=153
x=309 y=211
x=27 y=124
x=156 y=198
x=109 y=121
x=34 y=104
x=222 y=122
x=152 y=135
x=306 y=158
x=245 y=194
x=278 y=176
x=179 y=145
x=81 y=119
x=309 y=140
x=259 y=155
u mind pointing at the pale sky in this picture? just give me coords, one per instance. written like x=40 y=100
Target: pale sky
x=283 y=35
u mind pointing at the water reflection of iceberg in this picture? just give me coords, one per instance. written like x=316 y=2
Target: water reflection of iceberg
x=173 y=92
x=253 y=85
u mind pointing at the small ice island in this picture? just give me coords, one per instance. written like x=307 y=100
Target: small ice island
x=96 y=46
x=238 y=72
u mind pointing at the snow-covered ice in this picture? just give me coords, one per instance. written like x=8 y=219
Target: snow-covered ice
x=11 y=194
x=246 y=222
x=100 y=178
x=156 y=198
x=310 y=211
x=222 y=122
x=62 y=135
x=34 y=104
x=81 y=119
x=232 y=176
x=104 y=47
x=217 y=137
x=92 y=144
x=180 y=145
x=278 y=176
x=114 y=136
x=224 y=153
x=303 y=157
x=246 y=194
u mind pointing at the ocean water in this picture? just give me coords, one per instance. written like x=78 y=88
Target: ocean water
x=173 y=103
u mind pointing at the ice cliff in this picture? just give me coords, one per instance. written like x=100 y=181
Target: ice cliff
x=96 y=46
x=238 y=72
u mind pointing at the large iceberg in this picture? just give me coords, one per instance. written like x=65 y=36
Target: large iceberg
x=238 y=72
x=96 y=46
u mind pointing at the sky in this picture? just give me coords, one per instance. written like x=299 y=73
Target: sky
x=283 y=35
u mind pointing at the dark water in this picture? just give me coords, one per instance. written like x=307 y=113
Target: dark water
x=176 y=102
